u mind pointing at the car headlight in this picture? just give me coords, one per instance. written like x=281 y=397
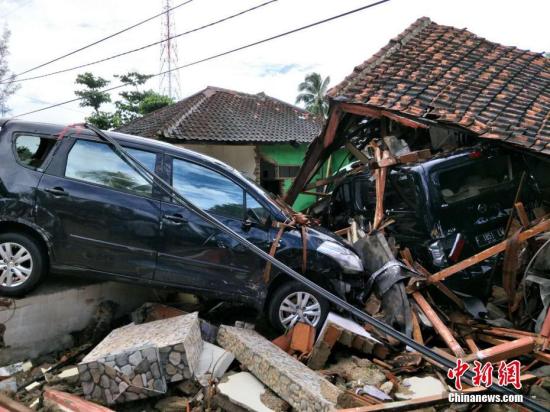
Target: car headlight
x=348 y=260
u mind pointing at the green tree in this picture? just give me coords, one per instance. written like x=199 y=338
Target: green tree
x=313 y=92
x=93 y=96
x=131 y=105
x=137 y=103
x=6 y=89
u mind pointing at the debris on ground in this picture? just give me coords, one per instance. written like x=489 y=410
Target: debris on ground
x=168 y=357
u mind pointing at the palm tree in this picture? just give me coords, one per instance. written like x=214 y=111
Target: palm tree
x=312 y=93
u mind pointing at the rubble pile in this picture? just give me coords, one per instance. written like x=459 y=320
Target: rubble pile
x=165 y=363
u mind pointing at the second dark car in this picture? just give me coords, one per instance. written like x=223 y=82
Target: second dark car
x=70 y=204
x=444 y=209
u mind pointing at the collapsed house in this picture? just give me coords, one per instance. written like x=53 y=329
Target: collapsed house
x=451 y=137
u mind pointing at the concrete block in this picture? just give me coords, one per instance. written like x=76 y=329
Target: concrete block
x=342 y=330
x=144 y=357
x=126 y=376
x=301 y=387
x=213 y=362
x=42 y=321
x=303 y=336
x=244 y=390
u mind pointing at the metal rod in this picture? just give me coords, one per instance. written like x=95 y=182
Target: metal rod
x=388 y=330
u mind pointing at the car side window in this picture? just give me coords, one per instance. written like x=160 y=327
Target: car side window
x=97 y=163
x=32 y=150
x=208 y=189
x=255 y=210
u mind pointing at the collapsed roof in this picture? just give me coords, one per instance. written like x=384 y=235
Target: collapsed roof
x=451 y=75
x=219 y=115
x=432 y=74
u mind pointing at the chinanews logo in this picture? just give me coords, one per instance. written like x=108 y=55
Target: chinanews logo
x=508 y=373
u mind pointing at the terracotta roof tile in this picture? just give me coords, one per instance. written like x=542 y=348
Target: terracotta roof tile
x=493 y=90
x=220 y=115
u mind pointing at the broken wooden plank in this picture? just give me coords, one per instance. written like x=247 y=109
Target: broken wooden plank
x=491 y=340
x=545 y=330
x=438 y=325
x=332 y=126
x=341 y=232
x=322 y=182
x=71 y=403
x=358 y=154
x=409 y=261
x=380 y=176
x=522 y=214
x=507 y=333
x=470 y=342
x=504 y=351
x=417 y=333
x=510 y=267
x=320 y=194
x=542 y=356
x=12 y=405
x=487 y=253
x=360 y=110
x=441 y=286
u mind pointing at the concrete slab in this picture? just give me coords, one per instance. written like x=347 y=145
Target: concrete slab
x=213 y=362
x=345 y=331
x=42 y=321
x=136 y=361
x=301 y=387
x=245 y=390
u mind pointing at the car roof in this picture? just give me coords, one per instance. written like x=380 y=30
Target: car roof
x=55 y=129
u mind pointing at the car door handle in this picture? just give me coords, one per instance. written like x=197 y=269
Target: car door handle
x=57 y=191
x=175 y=219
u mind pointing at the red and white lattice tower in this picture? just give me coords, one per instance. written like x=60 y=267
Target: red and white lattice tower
x=169 y=82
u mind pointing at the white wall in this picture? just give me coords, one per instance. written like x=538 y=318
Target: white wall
x=241 y=157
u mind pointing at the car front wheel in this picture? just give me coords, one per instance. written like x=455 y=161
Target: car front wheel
x=292 y=303
x=21 y=264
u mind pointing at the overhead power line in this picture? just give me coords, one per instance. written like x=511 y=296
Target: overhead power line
x=368 y=6
x=41 y=76
x=133 y=26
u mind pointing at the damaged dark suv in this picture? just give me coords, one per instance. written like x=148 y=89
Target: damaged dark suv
x=444 y=209
x=70 y=204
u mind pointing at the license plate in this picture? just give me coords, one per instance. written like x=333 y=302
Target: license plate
x=490 y=237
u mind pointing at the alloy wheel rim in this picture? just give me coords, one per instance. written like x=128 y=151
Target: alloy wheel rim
x=15 y=264
x=299 y=307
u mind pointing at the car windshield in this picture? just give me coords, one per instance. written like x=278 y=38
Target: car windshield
x=474 y=178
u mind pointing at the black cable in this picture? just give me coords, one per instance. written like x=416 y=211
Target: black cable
x=154 y=179
x=104 y=38
x=40 y=76
x=220 y=54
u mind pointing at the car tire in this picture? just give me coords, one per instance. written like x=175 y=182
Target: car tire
x=22 y=264
x=288 y=303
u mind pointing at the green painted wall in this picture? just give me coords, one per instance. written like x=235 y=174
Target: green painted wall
x=286 y=154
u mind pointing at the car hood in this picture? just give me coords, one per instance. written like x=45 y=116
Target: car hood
x=316 y=235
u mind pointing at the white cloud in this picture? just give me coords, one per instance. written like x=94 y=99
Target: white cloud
x=44 y=29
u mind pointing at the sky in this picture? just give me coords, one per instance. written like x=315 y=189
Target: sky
x=45 y=29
